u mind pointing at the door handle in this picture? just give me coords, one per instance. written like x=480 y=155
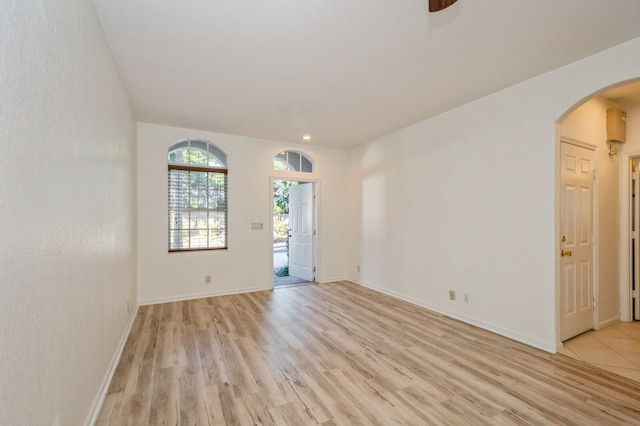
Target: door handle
x=564 y=253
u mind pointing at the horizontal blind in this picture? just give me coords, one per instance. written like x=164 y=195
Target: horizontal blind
x=197 y=208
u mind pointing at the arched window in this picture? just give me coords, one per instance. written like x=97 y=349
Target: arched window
x=197 y=177
x=292 y=161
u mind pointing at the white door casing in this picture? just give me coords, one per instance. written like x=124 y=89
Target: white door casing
x=301 y=225
x=635 y=239
x=576 y=236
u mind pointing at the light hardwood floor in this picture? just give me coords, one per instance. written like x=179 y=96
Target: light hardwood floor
x=340 y=354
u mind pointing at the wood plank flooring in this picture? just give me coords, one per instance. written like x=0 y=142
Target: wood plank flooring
x=340 y=354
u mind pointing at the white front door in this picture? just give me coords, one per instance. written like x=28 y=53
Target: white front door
x=576 y=236
x=301 y=225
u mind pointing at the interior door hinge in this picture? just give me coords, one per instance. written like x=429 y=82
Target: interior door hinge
x=594 y=173
x=314 y=269
x=594 y=304
x=314 y=232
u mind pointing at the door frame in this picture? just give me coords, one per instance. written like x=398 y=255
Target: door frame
x=624 y=239
x=295 y=177
x=556 y=236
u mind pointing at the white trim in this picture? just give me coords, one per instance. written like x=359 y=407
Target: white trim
x=96 y=406
x=324 y=280
x=595 y=232
x=579 y=143
x=294 y=176
x=192 y=296
x=611 y=321
x=556 y=233
x=624 y=228
x=545 y=346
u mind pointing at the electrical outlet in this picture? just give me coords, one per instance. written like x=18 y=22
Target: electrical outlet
x=207 y=279
x=452 y=295
x=358 y=268
x=466 y=298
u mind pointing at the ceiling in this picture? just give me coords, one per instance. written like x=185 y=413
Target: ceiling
x=344 y=72
x=626 y=95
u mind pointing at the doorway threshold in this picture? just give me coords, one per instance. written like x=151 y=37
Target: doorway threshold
x=615 y=348
x=288 y=281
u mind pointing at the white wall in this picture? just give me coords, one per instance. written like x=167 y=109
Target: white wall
x=588 y=124
x=247 y=264
x=467 y=201
x=67 y=200
x=633 y=129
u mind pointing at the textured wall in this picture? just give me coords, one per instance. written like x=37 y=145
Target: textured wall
x=67 y=202
x=633 y=129
x=247 y=264
x=466 y=201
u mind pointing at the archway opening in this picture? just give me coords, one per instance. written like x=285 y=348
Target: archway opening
x=597 y=228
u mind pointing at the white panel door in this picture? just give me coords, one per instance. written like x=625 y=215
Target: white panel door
x=301 y=238
x=576 y=215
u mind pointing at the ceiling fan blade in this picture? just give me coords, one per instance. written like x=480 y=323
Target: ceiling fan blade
x=438 y=5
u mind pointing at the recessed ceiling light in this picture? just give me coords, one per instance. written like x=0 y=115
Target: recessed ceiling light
x=306 y=137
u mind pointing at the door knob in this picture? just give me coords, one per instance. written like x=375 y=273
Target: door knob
x=564 y=253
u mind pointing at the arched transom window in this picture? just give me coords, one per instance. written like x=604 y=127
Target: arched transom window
x=197 y=177
x=292 y=161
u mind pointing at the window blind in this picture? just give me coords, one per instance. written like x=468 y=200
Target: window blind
x=197 y=208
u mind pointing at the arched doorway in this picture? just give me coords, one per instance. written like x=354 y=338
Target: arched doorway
x=595 y=290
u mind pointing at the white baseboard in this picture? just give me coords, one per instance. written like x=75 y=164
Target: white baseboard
x=324 y=280
x=94 y=412
x=545 y=346
x=608 y=322
x=192 y=296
